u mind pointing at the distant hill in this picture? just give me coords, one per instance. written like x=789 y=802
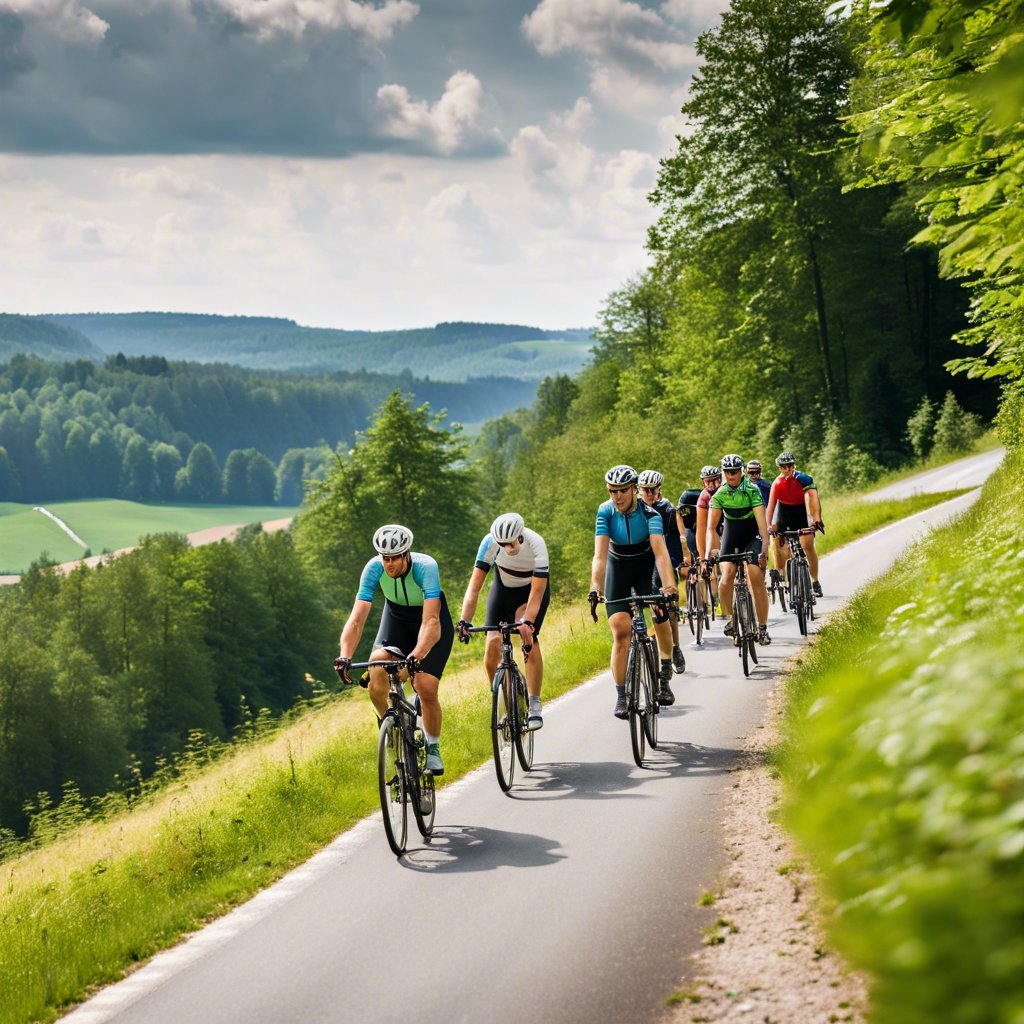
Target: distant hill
x=447 y=351
x=55 y=342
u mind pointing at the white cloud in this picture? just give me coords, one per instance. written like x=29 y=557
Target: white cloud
x=293 y=17
x=161 y=180
x=70 y=20
x=576 y=121
x=694 y=12
x=458 y=120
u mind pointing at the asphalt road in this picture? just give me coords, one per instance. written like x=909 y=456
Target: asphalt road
x=570 y=901
x=970 y=472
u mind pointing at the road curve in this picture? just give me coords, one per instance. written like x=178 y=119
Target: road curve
x=571 y=901
x=954 y=476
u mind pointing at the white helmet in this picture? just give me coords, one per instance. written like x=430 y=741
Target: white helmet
x=507 y=527
x=651 y=478
x=732 y=462
x=392 y=539
x=710 y=472
x=619 y=476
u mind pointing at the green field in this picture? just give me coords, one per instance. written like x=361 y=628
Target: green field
x=108 y=524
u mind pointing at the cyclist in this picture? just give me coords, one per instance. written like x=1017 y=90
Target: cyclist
x=628 y=543
x=519 y=593
x=739 y=503
x=793 y=505
x=755 y=477
x=415 y=619
x=650 y=482
x=712 y=478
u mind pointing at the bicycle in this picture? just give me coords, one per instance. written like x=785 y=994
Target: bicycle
x=798 y=576
x=744 y=622
x=776 y=591
x=510 y=737
x=698 y=598
x=402 y=776
x=642 y=680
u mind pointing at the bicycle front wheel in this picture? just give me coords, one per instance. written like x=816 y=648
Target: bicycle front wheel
x=392 y=786
x=502 y=730
x=649 y=696
x=421 y=788
x=692 y=615
x=523 y=736
x=637 y=737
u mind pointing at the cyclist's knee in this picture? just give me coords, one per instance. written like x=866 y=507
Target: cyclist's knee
x=426 y=687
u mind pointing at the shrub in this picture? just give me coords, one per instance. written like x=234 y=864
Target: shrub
x=955 y=429
x=921 y=427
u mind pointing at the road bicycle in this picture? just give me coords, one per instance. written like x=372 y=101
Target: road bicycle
x=642 y=681
x=776 y=590
x=510 y=737
x=402 y=775
x=744 y=622
x=698 y=600
x=798 y=577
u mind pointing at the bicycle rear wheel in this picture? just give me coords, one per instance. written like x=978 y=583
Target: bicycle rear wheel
x=391 y=784
x=637 y=737
x=502 y=728
x=747 y=628
x=421 y=790
x=649 y=695
x=523 y=736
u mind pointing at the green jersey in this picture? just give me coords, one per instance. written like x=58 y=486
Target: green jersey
x=737 y=502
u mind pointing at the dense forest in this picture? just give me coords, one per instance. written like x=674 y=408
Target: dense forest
x=456 y=351
x=34 y=336
x=146 y=429
x=842 y=212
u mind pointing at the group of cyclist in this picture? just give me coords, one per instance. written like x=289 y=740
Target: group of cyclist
x=638 y=544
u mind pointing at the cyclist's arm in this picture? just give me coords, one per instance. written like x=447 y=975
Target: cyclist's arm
x=714 y=518
x=682 y=538
x=664 y=564
x=476 y=581
x=597 y=567
x=772 y=502
x=813 y=504
x=430 y=628
x=700 y=532
x=353 y=631
x=538 y=585
x=762 y=528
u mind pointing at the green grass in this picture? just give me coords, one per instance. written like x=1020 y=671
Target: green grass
x=108 y=524
x=903 y=770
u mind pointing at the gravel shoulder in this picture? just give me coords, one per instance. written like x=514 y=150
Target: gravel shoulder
x=765 y=958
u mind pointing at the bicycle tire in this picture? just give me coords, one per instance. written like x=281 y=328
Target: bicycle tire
x=649 y=689
x=502 y=723
x=782 y=596
x=637 y=737
x=751 y=627
x=691 y=607
x=523 y=736
x=421 y=793
x=701 y=610
x=391 y=784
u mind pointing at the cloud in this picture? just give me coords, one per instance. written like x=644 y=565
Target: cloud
x=166 y=182
x=694 y=13
x=288 y=77
x=458 y=121
x=464 y=224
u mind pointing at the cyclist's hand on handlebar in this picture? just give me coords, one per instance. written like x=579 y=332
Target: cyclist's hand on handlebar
x=762 y=560
x=462 y=629
x=773 y=530
x=526 y=629
x=413 y=664
x=342 y=667
x=594 y=598
x=819 y=525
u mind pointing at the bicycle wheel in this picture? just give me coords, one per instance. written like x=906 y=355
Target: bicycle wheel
x=421 y=790
x=691 y=607
x=636 y=726
x=523 y=736
x=502 y=723
x=700 y=614
x=799 y=603
x=649 y=696
x=391 y=783
x=782 y=593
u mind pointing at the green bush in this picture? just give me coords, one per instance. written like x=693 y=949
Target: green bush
x=921 y=427
x=955 y=429
x=903 y=762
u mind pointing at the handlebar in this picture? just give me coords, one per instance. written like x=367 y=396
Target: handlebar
x=503 y=628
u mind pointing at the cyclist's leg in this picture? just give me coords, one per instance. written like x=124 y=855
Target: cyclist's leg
x=392 y=632
x=725 y=585
x=534 y=667
x=427 y=680
x=619 y=622
x=619 y=577
x=807 y=543
x=501 y=607
x=757 y=587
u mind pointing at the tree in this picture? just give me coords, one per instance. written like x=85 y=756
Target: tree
x=200 y=480
x=138 y=473
x=10 y=485
x=920 y=428
x=166 y=463
x=955 y=430
x=104 y=464
x=236 y=483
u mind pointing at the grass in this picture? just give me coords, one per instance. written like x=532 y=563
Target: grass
x=108 y=524
x=82 y=909
x=902 y=766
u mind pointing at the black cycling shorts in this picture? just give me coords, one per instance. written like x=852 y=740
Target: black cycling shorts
x=622 y=574
x=400 y=627
x=741 y=535
x=790 y=517
x=503 y=602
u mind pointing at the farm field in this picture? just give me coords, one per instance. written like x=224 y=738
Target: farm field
x=108 y=524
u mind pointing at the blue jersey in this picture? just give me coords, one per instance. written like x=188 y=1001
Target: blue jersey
x=630 y=533
x=421 y=582
x=764 y=487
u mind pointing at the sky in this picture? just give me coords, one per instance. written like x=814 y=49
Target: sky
x=365 y=164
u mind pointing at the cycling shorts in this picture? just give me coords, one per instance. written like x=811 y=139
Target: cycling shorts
x=402 y=630
x=741 y=535
x=790 y=517
x=503 y=602
x=621 y=575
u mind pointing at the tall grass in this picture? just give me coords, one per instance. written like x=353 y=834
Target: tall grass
x=904 y=769
x=86 y=906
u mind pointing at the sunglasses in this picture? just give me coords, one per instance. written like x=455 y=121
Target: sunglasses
x=506 y=543
x=753 y=472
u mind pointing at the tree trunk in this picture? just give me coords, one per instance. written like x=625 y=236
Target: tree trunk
x=823 y=339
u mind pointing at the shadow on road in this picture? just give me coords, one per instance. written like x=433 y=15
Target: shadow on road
x=474 y=848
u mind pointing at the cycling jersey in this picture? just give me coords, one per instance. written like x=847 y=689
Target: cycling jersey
x=630 y=533
x=737 y=502
x=515 y=570
x=764 y=487
x=688 y=506
x=670 y=525
x=420 y=582
x=791 y=490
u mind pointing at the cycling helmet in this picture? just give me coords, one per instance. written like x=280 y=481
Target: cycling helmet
x=710 y=472
x=732 y=462
x=392 y=539
x=619 y=476
x=507 y=527
x=786 y=459
x=753 y=464
x=651 y=478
